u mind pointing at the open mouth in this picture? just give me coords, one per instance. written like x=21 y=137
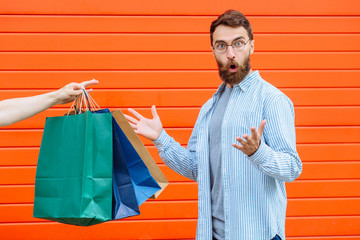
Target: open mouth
x=232 y=68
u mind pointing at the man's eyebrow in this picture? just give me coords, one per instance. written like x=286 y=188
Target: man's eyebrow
x=217 y=41
x=238 y=38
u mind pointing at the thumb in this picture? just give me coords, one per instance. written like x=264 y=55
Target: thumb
x=154 y=112
x=261 y=127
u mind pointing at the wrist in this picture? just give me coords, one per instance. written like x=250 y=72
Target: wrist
x=260 y=155
x=53 y=98
x=163 y=140
x=158 y=133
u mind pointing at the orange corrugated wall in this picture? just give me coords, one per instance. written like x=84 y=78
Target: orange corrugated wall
x=158 y=52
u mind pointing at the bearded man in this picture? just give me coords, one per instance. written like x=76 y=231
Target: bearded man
x=241 y=171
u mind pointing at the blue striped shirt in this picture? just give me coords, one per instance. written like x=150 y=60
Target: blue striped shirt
x=254 y=187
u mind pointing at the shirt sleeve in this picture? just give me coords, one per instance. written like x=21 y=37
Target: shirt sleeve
x=181 y=160
x=277 y=155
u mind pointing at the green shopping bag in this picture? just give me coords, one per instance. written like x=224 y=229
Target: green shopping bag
x=74 y=174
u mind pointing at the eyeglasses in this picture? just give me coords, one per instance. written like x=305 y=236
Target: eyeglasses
x=238 y=45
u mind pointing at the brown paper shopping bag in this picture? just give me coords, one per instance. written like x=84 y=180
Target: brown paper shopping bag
x=142 y=151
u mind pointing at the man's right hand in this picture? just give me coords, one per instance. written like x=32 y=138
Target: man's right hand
x=149 y=128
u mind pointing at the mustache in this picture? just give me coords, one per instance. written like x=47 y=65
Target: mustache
x=226 y=66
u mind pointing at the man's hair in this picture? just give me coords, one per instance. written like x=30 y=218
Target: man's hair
x=231 y=18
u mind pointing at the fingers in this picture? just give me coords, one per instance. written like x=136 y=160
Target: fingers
x=70 y=91
x=239 y=147
x=135 y=113
x=131 y=119
x=254 y=134
x=85 y=84
x=247 y=138
x=242 y=141
x=78 y=86
x=249 y=144
x=133 y=126
x=77 y=92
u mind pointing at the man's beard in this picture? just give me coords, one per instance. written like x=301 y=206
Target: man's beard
x=236 y=77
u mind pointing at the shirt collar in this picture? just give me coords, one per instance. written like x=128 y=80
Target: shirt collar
x=248 y=80
x=220 y=89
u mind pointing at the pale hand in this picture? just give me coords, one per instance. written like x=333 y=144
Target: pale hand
x=149 y=128
x=70 y=91
x=250 y=144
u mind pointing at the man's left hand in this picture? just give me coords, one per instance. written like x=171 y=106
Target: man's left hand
x=250 y=144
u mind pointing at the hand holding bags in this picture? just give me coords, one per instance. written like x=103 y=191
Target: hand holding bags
x=88 y=172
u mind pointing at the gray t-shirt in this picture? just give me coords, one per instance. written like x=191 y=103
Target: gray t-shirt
x=217 y=208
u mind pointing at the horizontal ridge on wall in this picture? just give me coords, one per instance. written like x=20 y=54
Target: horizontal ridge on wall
x=172 y=117
x=333 y=188
x=168 y=79
x=181 y=7
x=311 y=171
x=173 y=61
x=311 y=152
x=297 y=207
x=55 y=42
x=177 y=229
x=197 y=97
x=165 y=24
x=347 y=134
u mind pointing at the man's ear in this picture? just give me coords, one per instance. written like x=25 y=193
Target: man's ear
x=252 y=46
x=213 y=53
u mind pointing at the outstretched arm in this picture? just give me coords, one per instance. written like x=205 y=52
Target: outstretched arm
x=175 y=156
x=17 y=109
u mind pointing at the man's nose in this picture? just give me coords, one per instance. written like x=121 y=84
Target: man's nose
x=230 y=53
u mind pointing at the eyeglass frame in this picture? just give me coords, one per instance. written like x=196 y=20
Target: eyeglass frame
x=232 y=43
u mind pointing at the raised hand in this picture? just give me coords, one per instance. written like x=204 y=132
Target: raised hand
x=251 y=143
x=149 y=128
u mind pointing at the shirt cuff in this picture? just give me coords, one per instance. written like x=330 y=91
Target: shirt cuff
x=163 y=140
x=261 y=153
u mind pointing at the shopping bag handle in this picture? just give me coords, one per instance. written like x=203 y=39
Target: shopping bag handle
x=82 y=103
x=85 y=97
x=93 y=106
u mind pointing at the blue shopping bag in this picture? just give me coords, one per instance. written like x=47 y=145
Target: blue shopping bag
x=143 y=183
x=124 y=199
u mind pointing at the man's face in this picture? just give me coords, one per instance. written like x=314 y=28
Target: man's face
x=233 y=65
